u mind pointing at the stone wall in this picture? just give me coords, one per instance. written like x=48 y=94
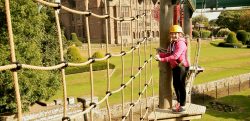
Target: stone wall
x=222 y=83
x=56 y=113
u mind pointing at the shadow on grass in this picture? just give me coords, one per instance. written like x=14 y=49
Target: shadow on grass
x=216 y=107
x=214 y=44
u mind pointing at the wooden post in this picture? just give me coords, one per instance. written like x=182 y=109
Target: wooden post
x=165 y=77
x=187 y=20
x=186 y=29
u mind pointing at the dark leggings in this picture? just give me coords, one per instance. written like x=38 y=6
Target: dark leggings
x=179 y=77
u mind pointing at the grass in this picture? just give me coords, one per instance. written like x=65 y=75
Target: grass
x=222 y=62
x=241 y=100
x=218 y=63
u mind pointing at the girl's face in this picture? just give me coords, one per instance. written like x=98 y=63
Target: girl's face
x=175 y=36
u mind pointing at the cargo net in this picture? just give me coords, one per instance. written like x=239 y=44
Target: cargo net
x=145 y=60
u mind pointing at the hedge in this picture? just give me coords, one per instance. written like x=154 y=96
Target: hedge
x=223 y=32
x=224 y=44
x=231 y=38
x=195 y=33
x=242 y=36
x=100 y=65
x=205 y=33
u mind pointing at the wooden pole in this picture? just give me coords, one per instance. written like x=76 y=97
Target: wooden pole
x=186 y=28
x=165 y=84
x=187 y=20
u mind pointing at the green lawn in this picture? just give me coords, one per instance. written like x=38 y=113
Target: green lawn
x=241 y=100
x=218 y=63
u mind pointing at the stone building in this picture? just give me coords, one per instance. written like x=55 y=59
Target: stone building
x=74 y=23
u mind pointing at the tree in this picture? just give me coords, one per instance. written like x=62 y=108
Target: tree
x=200 y=19
x=212 y=23
x=244 y=20
x=36 y=44
x=229 y=19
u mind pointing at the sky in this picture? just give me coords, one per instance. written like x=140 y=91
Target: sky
x=211 y=15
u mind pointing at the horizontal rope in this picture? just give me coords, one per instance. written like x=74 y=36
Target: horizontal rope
x=13 y=66
x=88 y=13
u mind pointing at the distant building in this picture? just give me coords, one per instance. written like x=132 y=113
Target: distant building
x=74 y=23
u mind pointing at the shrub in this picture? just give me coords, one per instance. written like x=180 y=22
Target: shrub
x=242 y=36
x=195 y=33
x=98 y=54
x=100 y=65
x=223 y=32
x=74 y=55
x=75 y=40
x=233 y=45
x=231 y=38
x=205 y=33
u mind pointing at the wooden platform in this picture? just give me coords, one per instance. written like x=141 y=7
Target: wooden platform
x=193 y=111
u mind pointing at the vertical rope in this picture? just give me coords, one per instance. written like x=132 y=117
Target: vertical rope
x=151 y=54
x=13 y=59
x=89 y=54
x=62 y=60
x=139 y=58
x=107 y=51
x=145 y=44
x=122 y=58
x=132 y=63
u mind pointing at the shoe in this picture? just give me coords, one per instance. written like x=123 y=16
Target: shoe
x=176 y=107
x=180 y=109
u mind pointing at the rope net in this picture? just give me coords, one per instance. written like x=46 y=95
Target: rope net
x=141 y=45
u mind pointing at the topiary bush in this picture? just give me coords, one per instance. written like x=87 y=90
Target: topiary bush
x=195 y=33
x=242 y=36
x=231 y=38
x=223 y=32
x=97 y=54
x=75 y=40
x=232 y=45
x=99 y=65
x=73 y=54
x=205 y=33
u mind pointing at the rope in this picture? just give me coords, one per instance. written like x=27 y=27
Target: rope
x=132 y=64
x=107 y=51
x=62 y=60
x=122 y=58
x=89 y=54
x=88 y=13
x=14 y=66
x=13 y=59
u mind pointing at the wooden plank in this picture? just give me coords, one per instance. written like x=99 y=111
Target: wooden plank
x=183 y=118
x=192 y=111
